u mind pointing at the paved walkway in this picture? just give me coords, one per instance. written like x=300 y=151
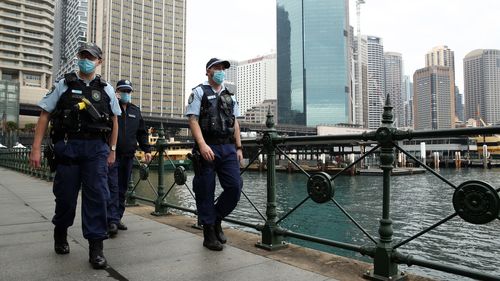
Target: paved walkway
x=149 y=250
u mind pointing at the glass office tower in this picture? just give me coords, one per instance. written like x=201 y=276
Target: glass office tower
x=312 y=61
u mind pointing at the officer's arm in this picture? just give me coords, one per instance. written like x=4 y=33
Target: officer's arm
x=142 y=136
x=41 y=127
x=196 y=130
x=237 y=140
x=114 y=132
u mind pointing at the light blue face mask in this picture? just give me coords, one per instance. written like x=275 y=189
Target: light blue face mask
x=125 y=97
x=219 y=76
x=86 y=66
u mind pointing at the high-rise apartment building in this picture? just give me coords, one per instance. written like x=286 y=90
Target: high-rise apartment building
x=376 y=81
x=394 y=85
x=256 y=81
x=360 y=85
x=70 y=30
x=433 y=98
x=482 y=85
x=313 y=62
x=441 y=55
x=143 y=41
x=26 y=36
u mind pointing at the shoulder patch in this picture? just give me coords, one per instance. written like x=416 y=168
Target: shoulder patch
x=191 y=98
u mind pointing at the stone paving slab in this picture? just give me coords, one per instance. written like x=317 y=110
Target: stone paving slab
x=149 y=250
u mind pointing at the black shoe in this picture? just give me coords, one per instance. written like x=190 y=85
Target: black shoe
x=219 y=233
x=96 y=257
x=61 y=245
x=209 y=239
x=122 y=226
x=112 y=229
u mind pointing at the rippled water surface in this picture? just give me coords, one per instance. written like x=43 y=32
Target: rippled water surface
x=417 y=201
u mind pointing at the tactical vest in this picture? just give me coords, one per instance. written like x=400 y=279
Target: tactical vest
x=216 y=116
x=69 y=120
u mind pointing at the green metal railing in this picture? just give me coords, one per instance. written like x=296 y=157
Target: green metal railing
x=474 y=201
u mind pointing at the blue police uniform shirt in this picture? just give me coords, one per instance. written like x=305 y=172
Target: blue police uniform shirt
x=194 y=104
x=49 y=102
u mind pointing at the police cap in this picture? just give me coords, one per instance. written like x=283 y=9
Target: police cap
x=215 y=61
x=124 y=84
x=92 y=48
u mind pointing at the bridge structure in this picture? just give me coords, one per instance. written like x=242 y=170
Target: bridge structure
x=182 y=122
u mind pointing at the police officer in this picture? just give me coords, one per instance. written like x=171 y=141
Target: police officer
x=83 y=111
x=212 y=112
x=132 y=130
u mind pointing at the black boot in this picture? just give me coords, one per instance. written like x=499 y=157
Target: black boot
x=112 y=229
x=96 y=257
x=219 y=233
x=210 y=240
x=61 y=245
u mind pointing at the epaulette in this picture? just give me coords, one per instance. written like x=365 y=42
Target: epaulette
x=70 y=77
x=199 y=85
x=101 y=80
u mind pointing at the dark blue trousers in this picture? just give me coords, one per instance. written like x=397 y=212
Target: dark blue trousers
x=83 y=163
x=118 y=178
x=227 y=169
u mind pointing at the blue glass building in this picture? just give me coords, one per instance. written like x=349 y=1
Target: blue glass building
x=313 y=62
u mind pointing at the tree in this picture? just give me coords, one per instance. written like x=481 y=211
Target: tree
x=30 y=127
x=11 y=126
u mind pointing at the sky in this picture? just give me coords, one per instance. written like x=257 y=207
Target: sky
x=242 y=29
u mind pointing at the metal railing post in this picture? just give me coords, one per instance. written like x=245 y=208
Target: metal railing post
x=384 y=268
x=160 y=209
x=270 y=239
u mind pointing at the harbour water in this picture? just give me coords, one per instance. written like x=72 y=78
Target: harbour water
x=417 y=201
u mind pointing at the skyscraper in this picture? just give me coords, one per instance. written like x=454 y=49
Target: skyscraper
x=71 y=18
x=408 y=100
x=313 y=62
x=394 y=85
x=444 y=56
x=26 y=31
x=433 y=98
x=376 y=81
x=143 y=41
x=482 y=85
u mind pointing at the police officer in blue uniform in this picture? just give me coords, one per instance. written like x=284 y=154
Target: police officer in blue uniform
x=212 y=112
x=132 y=130
x=83 y=110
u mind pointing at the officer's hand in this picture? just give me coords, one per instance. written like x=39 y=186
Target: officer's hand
x=239 y=153
x=111 y=158
x=35 y=157
x=147 y=157
x=207 y=152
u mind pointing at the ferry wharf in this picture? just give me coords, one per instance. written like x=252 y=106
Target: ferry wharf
x=154 y=248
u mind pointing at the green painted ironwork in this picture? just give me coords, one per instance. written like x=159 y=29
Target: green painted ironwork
x=161 y=144
x=386 y=257
x=271 y=240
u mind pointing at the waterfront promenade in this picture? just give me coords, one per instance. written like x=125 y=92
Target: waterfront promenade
x=154 y=248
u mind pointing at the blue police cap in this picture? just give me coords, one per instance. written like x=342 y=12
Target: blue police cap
x=92 y=48
x=215 y=61
x=124 y=84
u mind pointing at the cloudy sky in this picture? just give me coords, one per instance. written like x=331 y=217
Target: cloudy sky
x=242 y=29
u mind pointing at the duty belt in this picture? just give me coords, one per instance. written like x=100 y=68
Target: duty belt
x=219 y=140
x=85 y=136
